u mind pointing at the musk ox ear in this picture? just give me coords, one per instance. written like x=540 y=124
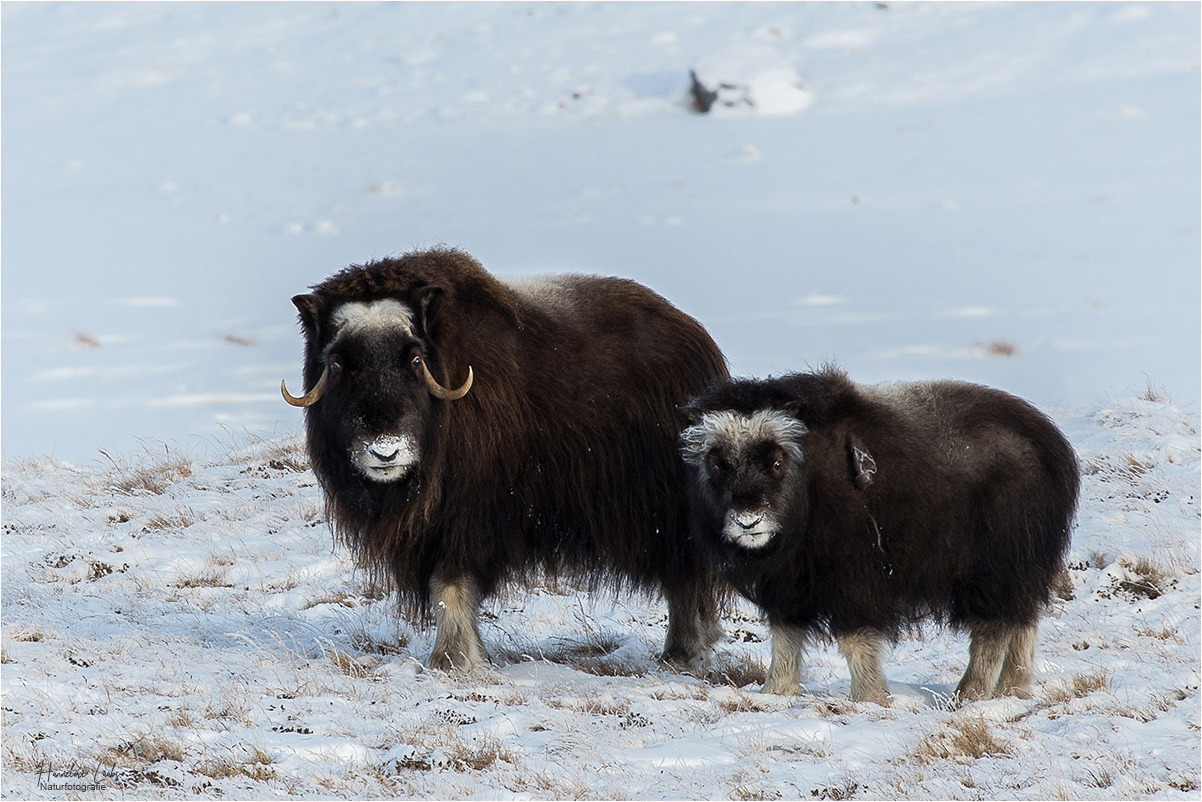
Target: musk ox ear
x=310 y=308
x=796 y=408
x=692 y=412
x=863 y=466
x=429 y=301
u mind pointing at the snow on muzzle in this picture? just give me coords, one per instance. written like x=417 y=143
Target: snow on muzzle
x=385 y=458
x=749 y=529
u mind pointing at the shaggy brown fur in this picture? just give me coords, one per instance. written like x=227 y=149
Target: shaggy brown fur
x=561 y=457
x=856 y=511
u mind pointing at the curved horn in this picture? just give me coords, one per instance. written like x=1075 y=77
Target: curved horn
x=309 y=398
x=438 y=391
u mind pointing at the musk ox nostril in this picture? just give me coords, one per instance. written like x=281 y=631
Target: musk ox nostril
x=382 y=457
x=739 y=519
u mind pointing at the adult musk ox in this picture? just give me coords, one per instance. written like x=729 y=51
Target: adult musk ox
x=857 y=511
x=468 y=431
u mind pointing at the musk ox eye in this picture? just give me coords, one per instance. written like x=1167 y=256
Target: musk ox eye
x=416 y=361
x=713 y=467
x=335 y=367
x=778 y=465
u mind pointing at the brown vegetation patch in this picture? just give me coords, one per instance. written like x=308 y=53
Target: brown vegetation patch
x=182 y=518
x=965 y=738
x=25 y=635
x=211 y=577
x=253 y=762
x=144 y=749
x=356 y=667
x=738 y=670
x=152 y=473
x=1145 y=580
x=1079 y=686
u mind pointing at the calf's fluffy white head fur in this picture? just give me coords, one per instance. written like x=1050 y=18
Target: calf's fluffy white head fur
x=727 y=442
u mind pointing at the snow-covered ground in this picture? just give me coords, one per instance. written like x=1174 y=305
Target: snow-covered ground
x=1001 y=193
x=177 y=627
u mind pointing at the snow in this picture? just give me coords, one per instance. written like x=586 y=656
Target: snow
x=998 y=193
x=180 y=626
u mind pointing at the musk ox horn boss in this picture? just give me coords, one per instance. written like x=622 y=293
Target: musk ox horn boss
x=854 y=512
x=561 y=458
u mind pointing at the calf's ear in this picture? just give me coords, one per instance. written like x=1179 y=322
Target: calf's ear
x=692 y=414
x=429 y=301
x=863 y=466
x=796 y=408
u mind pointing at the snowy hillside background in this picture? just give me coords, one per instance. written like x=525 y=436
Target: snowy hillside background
x=1000 y=193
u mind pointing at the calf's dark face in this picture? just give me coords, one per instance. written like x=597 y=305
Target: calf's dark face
x=748 y=473
x=375 y=408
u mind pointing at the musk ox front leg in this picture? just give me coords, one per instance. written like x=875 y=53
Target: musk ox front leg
x=457 y=644
x=862 y=650
x=986 y=653
x=1016 y=670
x=784 y=672
x=693 y=629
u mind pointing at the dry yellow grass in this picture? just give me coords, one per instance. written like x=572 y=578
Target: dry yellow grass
x=247 y=761
x=969 y=737
x=150 y=473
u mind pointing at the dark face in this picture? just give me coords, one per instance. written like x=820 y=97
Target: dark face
x=376 y=405
x=748 y=471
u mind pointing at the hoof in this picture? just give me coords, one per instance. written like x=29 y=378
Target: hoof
x=685 y=664
x=456 y=664
x=787 y=688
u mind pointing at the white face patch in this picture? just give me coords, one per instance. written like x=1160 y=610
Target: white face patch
x=384 y=314
x=387 y=458
x=750 y=529
x=733 y=433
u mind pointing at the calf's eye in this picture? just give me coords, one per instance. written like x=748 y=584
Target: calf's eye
x=778 y=466
x=712 y=466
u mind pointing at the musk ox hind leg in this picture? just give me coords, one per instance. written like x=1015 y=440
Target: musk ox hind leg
x=986 y=653
x=784 y=672
x=862 y=650
x=693 y=629
x=457 y=644
x=1016 y=669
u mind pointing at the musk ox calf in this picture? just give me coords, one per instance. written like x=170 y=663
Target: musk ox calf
x=555 y=449
x=855 y=512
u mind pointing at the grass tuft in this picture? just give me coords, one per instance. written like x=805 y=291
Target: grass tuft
x=967 y=738
x=146 y=748
x=182 y=518
x=1079 y=686
x=739 y=670
x=355 y=667
x=212 y=576
x=251 y=762
x=25 y=635
x=150 y=473
x=1145 y=579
